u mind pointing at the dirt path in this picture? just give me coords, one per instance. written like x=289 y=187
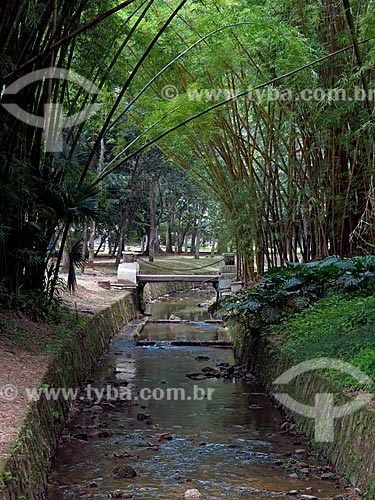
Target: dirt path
x=90 y=297
x=18 y=369
x=26 y=349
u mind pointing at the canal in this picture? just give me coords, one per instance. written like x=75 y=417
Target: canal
x=210 y=431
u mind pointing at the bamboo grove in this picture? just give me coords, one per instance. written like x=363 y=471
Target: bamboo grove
x=44 y=195
x=294 y=176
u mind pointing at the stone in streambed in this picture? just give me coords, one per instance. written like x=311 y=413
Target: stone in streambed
x=302 y=464
x=124 y=472
x=193 y=493
x=104 y=434
x=143 y=416
x=97 y=408
x=327 y=475
x=209 y=370
x=197 y=376
x=165 y=436
x=119 y=494
x=172 y=317
x=81 y=436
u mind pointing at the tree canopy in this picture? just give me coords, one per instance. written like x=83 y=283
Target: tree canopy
x=262 y=110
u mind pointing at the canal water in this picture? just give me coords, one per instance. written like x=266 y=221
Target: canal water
x=218 y=435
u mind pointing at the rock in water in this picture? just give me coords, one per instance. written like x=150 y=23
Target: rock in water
x=124 y=471
x=119 y=494
x=327 y=475
x=193 y=493
x=197 y=376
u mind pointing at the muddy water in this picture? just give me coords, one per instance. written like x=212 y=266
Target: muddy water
x=228 y=445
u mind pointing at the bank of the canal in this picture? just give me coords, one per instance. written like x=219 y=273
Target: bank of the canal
x=352 y=449
x=226 y=446
x=24 y=473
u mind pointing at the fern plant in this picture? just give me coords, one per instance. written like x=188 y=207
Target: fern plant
x=291 y=289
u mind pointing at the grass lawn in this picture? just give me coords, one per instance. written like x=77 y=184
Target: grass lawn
x=180 y=265
x=165 y=264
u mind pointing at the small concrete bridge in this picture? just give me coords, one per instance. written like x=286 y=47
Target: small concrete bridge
x=177 y=278
x=129 y=276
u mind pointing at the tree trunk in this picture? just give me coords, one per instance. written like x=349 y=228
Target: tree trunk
x=102 y=242
x=84 y=244
x=144 y=243
x=153 y=229
x=157 y=248
x=197 y=239
x=114 y=249
x=121 y=243
x=193 y=240
x=92 y=245
x=121 y=235
x=213 y=244
x=168 y=237
x=93 y=225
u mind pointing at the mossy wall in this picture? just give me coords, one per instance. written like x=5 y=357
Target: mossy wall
x=24 y=474
x=154 y=290
x=352 y=450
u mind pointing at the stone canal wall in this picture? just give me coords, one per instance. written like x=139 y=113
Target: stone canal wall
x=154 y=290
x=24 y=474
x=352 y=449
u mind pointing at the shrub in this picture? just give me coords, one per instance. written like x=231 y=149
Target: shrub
x=289 y=290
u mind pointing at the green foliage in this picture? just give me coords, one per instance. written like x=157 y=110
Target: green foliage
x=69 y=324
x=289 y=290
x=279 y=169
x=36 y=306
x=8 y=476
x=58 y=339
x=338 y=327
